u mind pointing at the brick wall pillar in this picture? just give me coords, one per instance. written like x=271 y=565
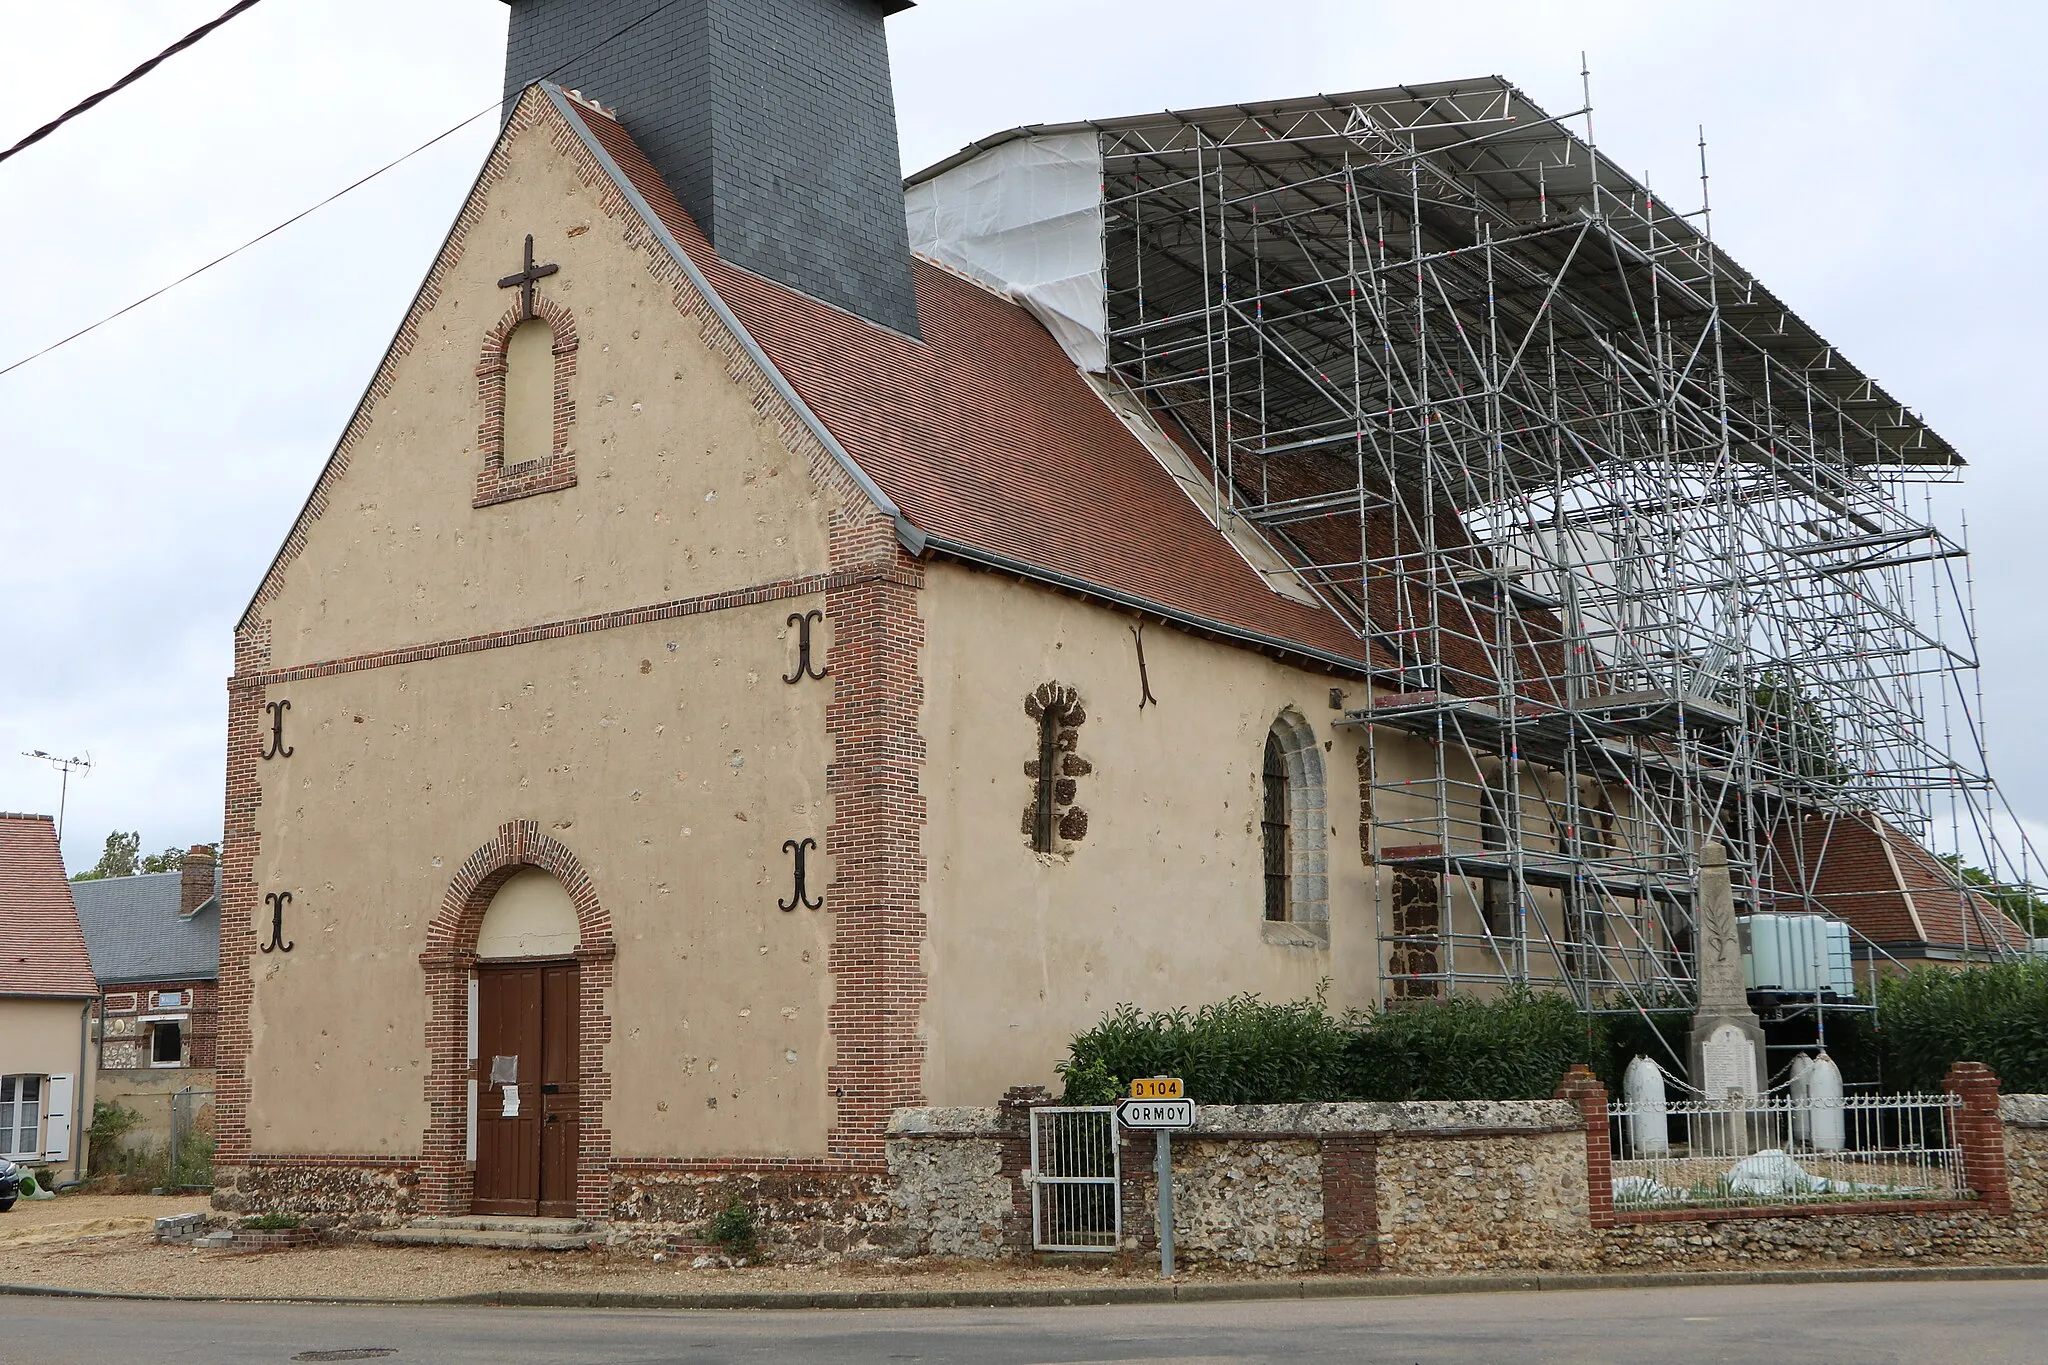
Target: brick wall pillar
x=1583 y=1088
x=1014 y=1118
x=1351 y=1214
x=1980 y=1133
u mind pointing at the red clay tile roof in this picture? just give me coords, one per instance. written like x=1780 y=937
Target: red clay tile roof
x=985 y=435
x=1888 y=887
x=42 y=950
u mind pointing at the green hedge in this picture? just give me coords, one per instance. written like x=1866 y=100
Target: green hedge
x=1518 y=1044
x=1249 y=1051
x=1997 y=1015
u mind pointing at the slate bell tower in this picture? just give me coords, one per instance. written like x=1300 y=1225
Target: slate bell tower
x=773 y=121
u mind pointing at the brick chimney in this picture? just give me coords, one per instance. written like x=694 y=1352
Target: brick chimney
x=773 y=121
x=197 y=887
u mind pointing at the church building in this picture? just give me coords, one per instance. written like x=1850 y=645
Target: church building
x=755 y=660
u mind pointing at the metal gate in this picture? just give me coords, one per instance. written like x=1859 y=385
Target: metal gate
x=1076 y=1183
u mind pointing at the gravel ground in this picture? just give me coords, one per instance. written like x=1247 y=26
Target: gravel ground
x=106 y=1242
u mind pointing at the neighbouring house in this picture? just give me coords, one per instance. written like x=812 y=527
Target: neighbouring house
x=771 y=649
x=1906 y=902
x=155 y=945
x=47 y=994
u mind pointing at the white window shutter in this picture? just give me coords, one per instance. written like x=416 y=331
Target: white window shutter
x=57 y=1131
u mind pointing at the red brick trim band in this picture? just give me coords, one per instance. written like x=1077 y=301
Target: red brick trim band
x=1980 y=1133
x=629 y=1166
x=585 y=625
x=338 y=1160
x=1351 y=1207
x=1583 y=1088
x=447 y=1175
x=1752 y=1212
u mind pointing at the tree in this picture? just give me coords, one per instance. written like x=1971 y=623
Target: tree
x=120 y=858
x=2016 y=899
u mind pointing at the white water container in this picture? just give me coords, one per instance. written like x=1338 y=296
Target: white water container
x=1649 y=1130
x=1824 y=1091
x=1841 y=962
x=1799 y=1090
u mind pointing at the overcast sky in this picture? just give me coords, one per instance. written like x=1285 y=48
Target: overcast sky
x=1872 y=161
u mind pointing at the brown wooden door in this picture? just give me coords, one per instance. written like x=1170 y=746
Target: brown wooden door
x=526 y=1033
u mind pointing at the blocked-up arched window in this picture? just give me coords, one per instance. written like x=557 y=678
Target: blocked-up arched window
x=1294 y=823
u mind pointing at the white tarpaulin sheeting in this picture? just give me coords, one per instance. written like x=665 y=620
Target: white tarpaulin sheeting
x=1026 y=218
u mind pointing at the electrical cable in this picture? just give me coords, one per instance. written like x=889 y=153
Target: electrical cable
x=137 y=74
x=442 y=136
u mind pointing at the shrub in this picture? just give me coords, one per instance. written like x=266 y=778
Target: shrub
x=1995 y=1014
x=271 y=1222
x=1515 y=1046
x=1249 y=1051
x=1243 y=1050
x=110 y=1123
x=735 y=1230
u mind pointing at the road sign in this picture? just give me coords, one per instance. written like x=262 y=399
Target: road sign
x=1156 y=1088
x=1156 y=1113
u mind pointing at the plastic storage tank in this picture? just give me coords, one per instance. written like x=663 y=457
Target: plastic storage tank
x=1796 y=954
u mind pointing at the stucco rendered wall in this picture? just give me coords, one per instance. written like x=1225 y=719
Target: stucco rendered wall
x=1161 y=902
x=44 y=1038
x=683 y=488
x=673 y=760
x=666 y=755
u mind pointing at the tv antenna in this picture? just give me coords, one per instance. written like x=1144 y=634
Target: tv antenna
x=65 y=766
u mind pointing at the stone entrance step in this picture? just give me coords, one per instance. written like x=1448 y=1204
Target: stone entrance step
x=501 y=1234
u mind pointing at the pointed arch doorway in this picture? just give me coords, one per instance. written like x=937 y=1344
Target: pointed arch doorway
x=527 y=1009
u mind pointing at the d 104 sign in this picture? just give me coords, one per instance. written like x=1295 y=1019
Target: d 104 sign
x=1156 y=1113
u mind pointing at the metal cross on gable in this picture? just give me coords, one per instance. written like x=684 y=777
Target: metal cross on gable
x=526 y=278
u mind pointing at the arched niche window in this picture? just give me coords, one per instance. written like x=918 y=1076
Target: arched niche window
x=523 y=379
x=1055 y=822
x=1294 y=824
x=530 y=393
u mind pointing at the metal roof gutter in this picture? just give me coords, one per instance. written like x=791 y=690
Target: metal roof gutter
x=910 y=537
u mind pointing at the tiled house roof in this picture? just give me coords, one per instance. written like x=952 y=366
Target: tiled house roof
x=1890 y=888
x=42 y=950
x=135 y=933
x=993 y=446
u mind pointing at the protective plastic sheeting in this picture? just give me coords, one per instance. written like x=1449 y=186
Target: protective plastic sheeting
x=1026 y=218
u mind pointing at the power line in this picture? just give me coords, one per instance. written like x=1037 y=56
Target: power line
x=345 y=190
x=137 y=74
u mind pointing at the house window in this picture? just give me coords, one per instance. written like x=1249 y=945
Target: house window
x=1293 y=824
x=21 y=1116
x=1273 y=826
x=167 y=1044
x=1496 y=894
x=168 y=1000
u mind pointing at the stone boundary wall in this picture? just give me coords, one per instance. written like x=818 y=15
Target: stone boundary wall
x=1449 y=1188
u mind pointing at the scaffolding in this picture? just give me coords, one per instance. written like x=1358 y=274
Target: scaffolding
x=1640 y=560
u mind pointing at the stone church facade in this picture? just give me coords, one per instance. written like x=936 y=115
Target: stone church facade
x=690 y=721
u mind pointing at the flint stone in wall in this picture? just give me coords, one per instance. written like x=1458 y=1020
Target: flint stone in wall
x=1248 y=1205
x=960 y=1120
x=1413 y=1116
x=952 y=1195
x=2024 y=1111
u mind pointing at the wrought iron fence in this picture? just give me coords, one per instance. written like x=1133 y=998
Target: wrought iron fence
x=1780 y=1150
x=1076 y=1179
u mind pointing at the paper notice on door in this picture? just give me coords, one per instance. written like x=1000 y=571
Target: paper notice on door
x=511 y=1093
x=504 y=1070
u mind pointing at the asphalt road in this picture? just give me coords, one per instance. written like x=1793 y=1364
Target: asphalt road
x=1865 y=1324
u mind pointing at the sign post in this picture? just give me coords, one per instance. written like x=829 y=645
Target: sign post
x=1157 y=1102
